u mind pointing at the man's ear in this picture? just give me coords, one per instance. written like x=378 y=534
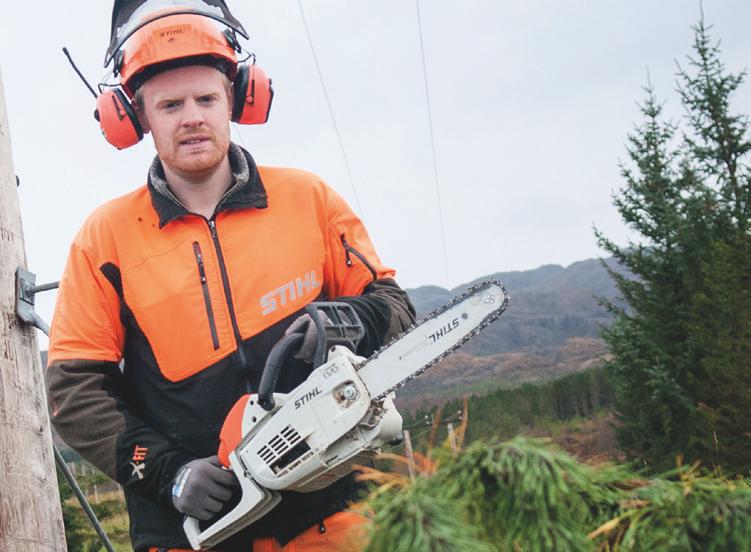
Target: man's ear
x=144 y=122
x=230 y=98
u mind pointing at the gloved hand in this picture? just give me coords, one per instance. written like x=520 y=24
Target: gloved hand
x=305 y=325
x=202 y=487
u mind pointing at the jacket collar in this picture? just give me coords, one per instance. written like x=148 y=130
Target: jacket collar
x=246 y=189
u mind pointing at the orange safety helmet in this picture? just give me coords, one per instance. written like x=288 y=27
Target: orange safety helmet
x=174 y=40
x=171 y=41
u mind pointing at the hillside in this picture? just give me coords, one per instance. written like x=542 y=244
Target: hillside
x=550 y=329
x=463 y=373
x=548 y=305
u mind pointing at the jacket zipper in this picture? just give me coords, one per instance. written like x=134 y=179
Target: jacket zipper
x=228 y=294
x=348 y=260
x=206 y=296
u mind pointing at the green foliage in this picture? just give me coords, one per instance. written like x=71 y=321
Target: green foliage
x=80 y=535
x=76 y=523
x=522 y=495
x=521 y=492
x=503 y=413
x=416 y=520
x=681 y=363
x=689 y=513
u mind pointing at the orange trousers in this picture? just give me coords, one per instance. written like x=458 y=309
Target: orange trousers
x=341 y=532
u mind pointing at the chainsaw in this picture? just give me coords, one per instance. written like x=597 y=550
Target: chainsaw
x=341 y=415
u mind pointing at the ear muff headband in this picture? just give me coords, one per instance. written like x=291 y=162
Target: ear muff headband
x=253 y=96
x=117 y=119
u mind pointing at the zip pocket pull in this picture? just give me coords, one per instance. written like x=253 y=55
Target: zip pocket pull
x=206 y=296
x=348 y=260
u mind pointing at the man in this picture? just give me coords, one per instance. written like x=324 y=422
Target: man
x=174 y=294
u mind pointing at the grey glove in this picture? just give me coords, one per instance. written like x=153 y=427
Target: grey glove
x=305 y=325
x=202 y=487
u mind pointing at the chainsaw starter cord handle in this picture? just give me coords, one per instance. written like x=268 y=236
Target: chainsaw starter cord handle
x=277 y=357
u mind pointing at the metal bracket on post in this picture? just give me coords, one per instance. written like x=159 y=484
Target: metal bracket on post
x=26 y=289
x=25 y=292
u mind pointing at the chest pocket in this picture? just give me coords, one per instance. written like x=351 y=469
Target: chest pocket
x=178 y=301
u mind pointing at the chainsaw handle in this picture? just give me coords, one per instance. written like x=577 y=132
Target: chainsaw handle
x=274 y=362
x=336 y=323
x=255 y=502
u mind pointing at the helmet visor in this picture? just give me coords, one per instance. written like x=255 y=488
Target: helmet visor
x=130 y=15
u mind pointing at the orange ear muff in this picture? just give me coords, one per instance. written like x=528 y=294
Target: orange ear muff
x=117 y=119
x=253 y=96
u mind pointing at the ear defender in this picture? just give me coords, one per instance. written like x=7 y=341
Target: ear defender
x=117 y=119
x=253 y=96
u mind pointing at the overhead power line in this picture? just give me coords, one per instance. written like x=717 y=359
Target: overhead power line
x=432 y=145
x=331 y=109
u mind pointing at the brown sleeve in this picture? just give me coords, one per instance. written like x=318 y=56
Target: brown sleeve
x=90 y=414
x=83 y=411
x=384 y=309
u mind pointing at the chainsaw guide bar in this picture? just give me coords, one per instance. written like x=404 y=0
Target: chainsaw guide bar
x=454 y=324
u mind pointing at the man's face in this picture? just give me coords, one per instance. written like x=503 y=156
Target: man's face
x=187 y=111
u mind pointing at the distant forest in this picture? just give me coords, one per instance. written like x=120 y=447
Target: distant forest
x=505 y=413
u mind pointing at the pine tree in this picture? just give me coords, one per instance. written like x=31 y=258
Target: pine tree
x=682 y=343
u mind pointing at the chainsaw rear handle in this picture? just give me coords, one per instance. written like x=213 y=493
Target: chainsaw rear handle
x=255 y=502
x=277 y=357
x=336 y=324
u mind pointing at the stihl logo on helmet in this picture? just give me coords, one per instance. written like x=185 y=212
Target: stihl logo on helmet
x=172 y=32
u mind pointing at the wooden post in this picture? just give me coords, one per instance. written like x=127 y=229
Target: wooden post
x=452 y=437
x=409 y=453
x=30 y=514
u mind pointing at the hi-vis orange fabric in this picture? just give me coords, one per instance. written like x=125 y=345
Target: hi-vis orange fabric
x=341 y=532
x=172 y=281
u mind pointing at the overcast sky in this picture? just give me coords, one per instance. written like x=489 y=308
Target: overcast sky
x=531 y=104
